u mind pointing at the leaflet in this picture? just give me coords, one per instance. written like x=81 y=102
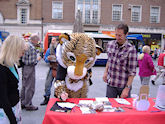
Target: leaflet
x=122 y=101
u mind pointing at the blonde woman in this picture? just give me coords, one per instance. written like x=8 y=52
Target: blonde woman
x=11 y=51
x=146 y=66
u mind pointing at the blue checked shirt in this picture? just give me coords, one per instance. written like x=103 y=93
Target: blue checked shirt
x=122 y=63
x=30 y=56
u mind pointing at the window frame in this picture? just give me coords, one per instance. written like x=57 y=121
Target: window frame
x=121 y=16
x=19 y=15
x=1 y=18
x=23 y=16
x=82 y=10
x=140 y=13
x=158 y=21
x=53 y=2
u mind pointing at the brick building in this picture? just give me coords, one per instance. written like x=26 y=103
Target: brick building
x=20 y=16
x=143 y=17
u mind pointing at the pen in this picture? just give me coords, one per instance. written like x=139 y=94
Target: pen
x=156 y=111
x=126 y=107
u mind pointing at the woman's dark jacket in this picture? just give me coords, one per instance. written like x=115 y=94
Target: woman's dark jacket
x=9 y=93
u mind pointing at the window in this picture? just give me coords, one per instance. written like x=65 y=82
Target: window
x=95 y=12
x=90 y=11
x=57 y=10
x=87 y=11
x=116 y=12
x=136 y=14
x=154 y=14
x=23 y=11
x=23 y=16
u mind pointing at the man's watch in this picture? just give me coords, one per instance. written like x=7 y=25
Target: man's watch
x=128 y=86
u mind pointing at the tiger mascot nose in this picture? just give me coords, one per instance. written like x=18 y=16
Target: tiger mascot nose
x=80 y=61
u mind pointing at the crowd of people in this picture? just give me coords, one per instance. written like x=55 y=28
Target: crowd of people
x=119 y=72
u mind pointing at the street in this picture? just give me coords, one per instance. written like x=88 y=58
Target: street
x=98 y=89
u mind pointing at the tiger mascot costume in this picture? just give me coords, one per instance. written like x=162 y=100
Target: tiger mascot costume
x=76 y=54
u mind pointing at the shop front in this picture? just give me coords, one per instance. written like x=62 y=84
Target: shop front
x=151 y=39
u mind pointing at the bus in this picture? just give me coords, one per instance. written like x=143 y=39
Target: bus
x=103 y=39
x=100 y=39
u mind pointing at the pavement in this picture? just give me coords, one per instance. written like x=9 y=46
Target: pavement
x=98 y=89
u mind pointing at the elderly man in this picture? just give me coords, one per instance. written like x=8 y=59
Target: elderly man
x=30 y=60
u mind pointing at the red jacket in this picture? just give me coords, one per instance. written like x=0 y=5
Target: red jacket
x=161 y=59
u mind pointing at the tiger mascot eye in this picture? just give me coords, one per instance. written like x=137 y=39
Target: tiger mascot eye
x=76 y=54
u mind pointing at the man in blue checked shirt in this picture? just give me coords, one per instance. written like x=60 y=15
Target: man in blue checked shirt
x=30 y=60
x=121 y=65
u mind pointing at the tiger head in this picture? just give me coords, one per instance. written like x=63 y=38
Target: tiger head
x=77 y=52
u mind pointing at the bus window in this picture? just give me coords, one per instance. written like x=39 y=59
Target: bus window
x=137 y=40
x=105 y=46
x=135 y=43
x=101 y=40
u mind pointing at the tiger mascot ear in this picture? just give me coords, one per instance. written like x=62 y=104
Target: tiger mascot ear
x=98 y=50
x=64 y=38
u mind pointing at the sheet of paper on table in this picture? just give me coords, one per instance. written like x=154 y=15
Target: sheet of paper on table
x=86 y=106
x=162 y=108
x=104 y=100
x=86 y=102
x=87 y=110
x=122 y=101
x=66 y=104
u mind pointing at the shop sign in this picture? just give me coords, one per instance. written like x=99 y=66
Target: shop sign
x=110 y=33
x=152 y=36
x=146 y=35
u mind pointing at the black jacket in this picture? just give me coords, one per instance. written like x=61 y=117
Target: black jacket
x=9 y=94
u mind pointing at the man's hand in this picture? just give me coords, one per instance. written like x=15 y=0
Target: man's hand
x=51 y=57
x=125 y=92
x=39 y=58
x=105 y=77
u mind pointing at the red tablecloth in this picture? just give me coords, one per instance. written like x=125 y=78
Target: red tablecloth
x=130 y=116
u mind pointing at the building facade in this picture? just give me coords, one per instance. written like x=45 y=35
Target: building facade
x=19 y=17
x=143 y=17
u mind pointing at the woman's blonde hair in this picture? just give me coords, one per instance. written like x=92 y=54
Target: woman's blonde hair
x=11 y=50
x=145 y=49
